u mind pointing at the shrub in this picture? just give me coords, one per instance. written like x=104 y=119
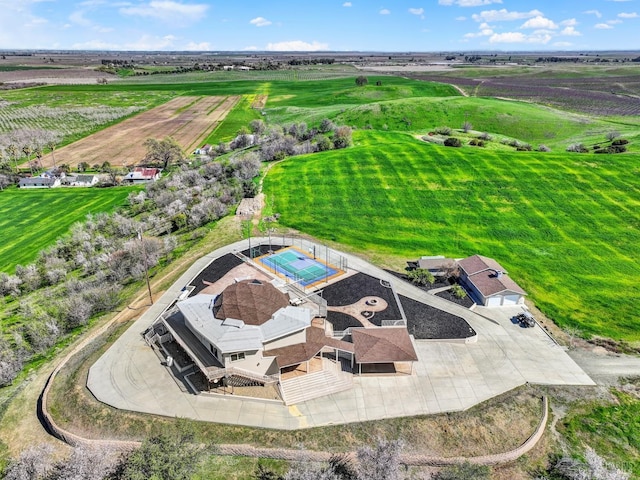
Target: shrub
x=620 y=141
x=476 y=143
x=577 y=148
x=543 y=148
x=484 y=136
x=420 y=276
x=458 y=291
x=452 y=142
x=523 y=147
x=442 y=130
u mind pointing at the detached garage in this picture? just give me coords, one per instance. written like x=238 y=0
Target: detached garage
x=488 y=283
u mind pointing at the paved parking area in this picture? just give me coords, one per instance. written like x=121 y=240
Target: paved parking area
x=448 y=376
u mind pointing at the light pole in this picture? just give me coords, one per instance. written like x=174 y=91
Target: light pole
x=146 y=265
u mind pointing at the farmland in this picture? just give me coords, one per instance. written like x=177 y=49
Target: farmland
x=32 y=220
x=187 y=119
x=566 y=228
x=68 y=115
x=607 y=91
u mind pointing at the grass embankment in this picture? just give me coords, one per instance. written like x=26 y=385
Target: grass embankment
x=31 y=220
x=565 y=226
x=613 y=430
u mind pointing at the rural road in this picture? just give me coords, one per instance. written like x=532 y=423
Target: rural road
x=604 y=367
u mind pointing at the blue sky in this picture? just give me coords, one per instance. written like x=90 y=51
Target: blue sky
x=278 y=25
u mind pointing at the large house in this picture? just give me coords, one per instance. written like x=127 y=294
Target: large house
x=488 y=283
x=251 y=330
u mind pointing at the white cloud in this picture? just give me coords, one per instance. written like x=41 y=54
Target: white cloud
x=78 y=18
x=347 y=4
x=509 y=37
x=260 y=22
x=603 y=26
x=198 y=47
x=593 y=12
x=628 y=15
x=146 y=42
x=416 y=11
x=570 y=22
x=468 y=3
x=504 y=15
x=385 y=11
x=614 y=22
x=461 y=19
x=562 y=44
x=539 y=22
x=167 y=10
x=519 y=37
x=570 y=32
x=251 y=48
x=297 y=46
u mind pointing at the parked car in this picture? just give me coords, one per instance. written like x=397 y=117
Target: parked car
x=525 y=319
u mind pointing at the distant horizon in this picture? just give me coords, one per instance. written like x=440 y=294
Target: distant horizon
x=322 y=52
x=329 y=26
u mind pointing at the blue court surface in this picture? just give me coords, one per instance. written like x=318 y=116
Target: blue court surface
x=298 y=266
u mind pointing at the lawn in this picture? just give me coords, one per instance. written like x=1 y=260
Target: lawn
x=565 y=226
x=31 y=220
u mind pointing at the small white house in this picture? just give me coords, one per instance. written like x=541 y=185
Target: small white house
x=142 y=175
x=488 y=283
x=39 y=182
x=80 y=181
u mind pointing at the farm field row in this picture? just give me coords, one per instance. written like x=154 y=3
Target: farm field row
x=31 y=220
x=187 y=119
x=565 y=227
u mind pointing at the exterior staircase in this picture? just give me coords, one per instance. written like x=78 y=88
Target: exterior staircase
x=314 y=385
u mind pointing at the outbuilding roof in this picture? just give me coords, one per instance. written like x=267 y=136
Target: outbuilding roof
x=488 y=276
x=383 y=345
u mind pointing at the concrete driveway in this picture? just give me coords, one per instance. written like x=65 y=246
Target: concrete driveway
x=448 y=376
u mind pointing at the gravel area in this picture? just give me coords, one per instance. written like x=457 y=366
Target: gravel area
x=353 y=288
x=427 y=322
x=342 y=321
x=448 y=295
x=215 y=271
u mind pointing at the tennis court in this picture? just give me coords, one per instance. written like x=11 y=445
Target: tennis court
x=298 y=266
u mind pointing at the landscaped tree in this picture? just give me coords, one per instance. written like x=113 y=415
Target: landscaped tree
x=163 y=152
x=361 y=81
x=421 y=276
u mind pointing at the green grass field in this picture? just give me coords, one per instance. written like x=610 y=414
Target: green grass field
x=31 y=220
x=565 y=226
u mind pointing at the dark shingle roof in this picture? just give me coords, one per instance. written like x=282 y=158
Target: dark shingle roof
x=488 y=276
x=383 y=345
x=251 y=301
x=301 y=352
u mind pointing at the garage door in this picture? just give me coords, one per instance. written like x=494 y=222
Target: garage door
x=511 y=299
x=494 y=301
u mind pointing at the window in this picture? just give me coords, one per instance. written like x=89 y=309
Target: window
x=237 y=356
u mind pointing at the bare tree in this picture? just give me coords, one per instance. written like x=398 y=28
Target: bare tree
x=33 y=464
x=612 y=135
x=381 y=462
x=466 y=126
